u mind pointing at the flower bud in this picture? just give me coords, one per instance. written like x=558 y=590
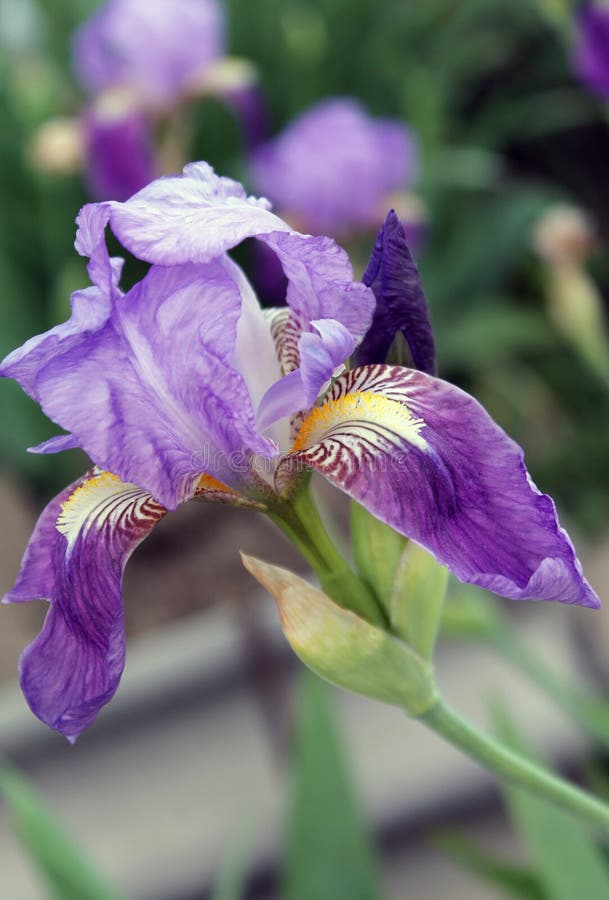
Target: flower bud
x=57 y=147
x=417 y=599
x=377 y=549
x=225 y=76
x=565 y=234
x=344 y=649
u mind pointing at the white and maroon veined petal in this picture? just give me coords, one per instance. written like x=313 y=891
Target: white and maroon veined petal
x=428 y=460
x=75 y=560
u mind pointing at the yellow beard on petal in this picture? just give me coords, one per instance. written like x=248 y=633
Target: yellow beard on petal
x=367 y=408
x=101 y=498
x=209 y=483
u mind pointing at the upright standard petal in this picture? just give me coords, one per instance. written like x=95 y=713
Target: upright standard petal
x=401 y=305
x=155 y=49
x=427 y=459
x=197 y=216
x=75 y=560
x=193 y=217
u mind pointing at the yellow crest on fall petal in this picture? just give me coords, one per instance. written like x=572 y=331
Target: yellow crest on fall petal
x=367 y=408
x=105 y=498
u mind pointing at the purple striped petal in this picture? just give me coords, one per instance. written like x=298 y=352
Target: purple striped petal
x=75 y=560
x=401 y=304
x=36 y=579
x=427 y=459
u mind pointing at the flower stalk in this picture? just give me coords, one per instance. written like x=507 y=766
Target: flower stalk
x=299 y=519
x=514 y=768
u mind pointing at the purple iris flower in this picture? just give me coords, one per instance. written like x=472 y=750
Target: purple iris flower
x=184 y=387
x=155 y=49
x=333 y=167
x=591 y=56
x=137 y=59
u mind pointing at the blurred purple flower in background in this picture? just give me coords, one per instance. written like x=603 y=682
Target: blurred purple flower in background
x=332 y=169
x=183 y=387
x=591 y=54
x=119 y=147
x=155 y=48
x=137 y=59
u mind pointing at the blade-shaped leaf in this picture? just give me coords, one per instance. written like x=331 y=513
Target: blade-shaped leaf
x=68 y=876
x=328 y=852
x=567 y=860
x=515 y=881
x=232 y=878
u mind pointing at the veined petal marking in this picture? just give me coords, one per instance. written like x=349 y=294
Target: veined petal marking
x=105 y=500
x=465 y=496
x=360 y=411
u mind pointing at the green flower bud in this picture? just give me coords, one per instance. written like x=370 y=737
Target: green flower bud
x=417 y=599
x=343 y=648
x=377 y=549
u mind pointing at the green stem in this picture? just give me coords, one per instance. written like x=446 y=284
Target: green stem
x=299 y=519
x=514 y=768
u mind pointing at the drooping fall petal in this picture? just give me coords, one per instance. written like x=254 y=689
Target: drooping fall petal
x=75 y=560
x=428 y=460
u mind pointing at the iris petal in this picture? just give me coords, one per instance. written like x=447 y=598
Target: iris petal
x=74 y=665
x=154 y=367
x=427 y=459
x=196 y=216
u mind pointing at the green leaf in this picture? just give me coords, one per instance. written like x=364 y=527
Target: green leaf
x=500 y=331
x=516 y=881
x=232 y=878
x=377 y=549
x=328 y=853
x=568 y=862
x=67 y=874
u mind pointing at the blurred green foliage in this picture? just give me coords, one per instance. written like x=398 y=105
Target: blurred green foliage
x=328 y=851
x=505 y=132
x=65 y=872
x=563 y=860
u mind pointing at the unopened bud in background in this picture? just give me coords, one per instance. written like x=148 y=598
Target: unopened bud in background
x=57 y=147
x=563 y=239
x=564 y=235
